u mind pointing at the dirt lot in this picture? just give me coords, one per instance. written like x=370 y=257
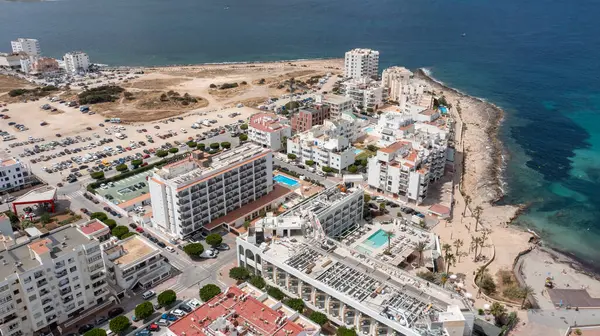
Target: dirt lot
x=8 y=83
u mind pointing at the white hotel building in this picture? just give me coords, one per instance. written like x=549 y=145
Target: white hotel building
x=353 y=289
x=76 y=62
x=338 y=105
x=360 y=63
x=328 y=145
x=189 y=194
x=29 y=46
x=268 y=130
x=50 y=280
x=13 y=173
x=365 y=92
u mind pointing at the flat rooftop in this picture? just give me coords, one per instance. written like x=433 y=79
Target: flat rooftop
x=58 y=242
x=125 y=190
x=93 y=226
x=44 y=193
x=322 y=201
x=132 y=249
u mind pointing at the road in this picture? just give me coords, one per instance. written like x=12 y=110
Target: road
x=326 y=182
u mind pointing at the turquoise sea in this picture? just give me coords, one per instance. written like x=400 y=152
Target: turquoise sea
x=537 y=59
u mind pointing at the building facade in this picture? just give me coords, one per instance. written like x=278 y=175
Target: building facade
x=365 y=93
x=338 y=105
x=45 y=65
x=189 y=194
x=306 y=118
x=360 y=63
x=13 y=174
x=396 y=79
x=268 y=130
x=76 y=62
x=29 y=46
x=50 y=280
x=10 y=60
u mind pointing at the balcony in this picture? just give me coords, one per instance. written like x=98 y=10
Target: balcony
x=48 y=309
x=46 y=301
x=8 y=318
x=42 y=282
x=183 y=201
x=63 y=282
x=61 y=274
x=65 y=291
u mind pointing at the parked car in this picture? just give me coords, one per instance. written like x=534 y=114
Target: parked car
x=168 y=317
x=153 y=327
x=115 y=312
x=178 y=312
x=223 y=247
x=148 y=294
x=85 y=328
x=101 y=320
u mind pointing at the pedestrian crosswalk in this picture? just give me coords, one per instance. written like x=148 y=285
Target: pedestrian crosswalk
x=75 y=194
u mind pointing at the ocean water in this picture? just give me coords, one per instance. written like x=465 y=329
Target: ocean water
x=537 y=59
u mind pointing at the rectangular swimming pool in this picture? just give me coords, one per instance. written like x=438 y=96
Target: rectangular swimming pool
x=286 y=180
x=377 y=239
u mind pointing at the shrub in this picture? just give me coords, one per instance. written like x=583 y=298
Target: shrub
x=257 y=282
x=192 y=144
x=215 y=145
x=17 y=92
x=214 y=239
x=193 y=249
x=96 y=332
x=127 y=235
x=166 y=298
x=343 y=331
x=201 y=146
x=243 y=83
x=327 y=169
x=353 y=169
x=136 y=163
x=144 y=310
x=161 y=153
x=310 y=162
x=97 y=175
x=226 y=144
x=101 y=216
x=173 y=150
x=45 y=218
x=261 y=81
x=318 y=318
x=239 y=273
x=101 y=94
x=209 y=291
x=119 y=324
x=480 y=311
x=372 y=148
x=111 y=223
x=276 y=293
x=487 y=284
x=119 y=231
x=225 y=86
x=370 y=109
x=367 y=198
x=291 y=156
x=243 y=137
x=292 y=105
x=212 y=86
x=512 y=292
x=244 y=127
x=11 y=215
x=295 y=304
x=427 y=275
x=122 y=167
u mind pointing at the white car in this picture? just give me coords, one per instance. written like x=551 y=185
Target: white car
x=194 y=303
x=170 y=249
x=178 y=312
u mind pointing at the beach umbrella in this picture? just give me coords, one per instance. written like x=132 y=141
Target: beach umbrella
x=486 y=306
x=468 y=295
x=453 y=277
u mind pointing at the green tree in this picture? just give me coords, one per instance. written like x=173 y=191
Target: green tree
x=420 y=248
x=239 y=273
x=450 y=259
x=295 y=304
x=389 y=235
x=215 y=145
x=458 y=244
x=309 y=162
x=191 y=144
x=161 y=153
x=173 y=150
x=525 y=292
x=276 y=293
x=119 y=231
x=343 y=331
x=97 y=175
x=193 y=249
x=96 y=332
x=497 y=310
x=136 y=163
x=166 y=298
x=101 y=216
x=258 y=282
x=144 y=310
x=244 y=127
x=111 y=223
x=291 y=156
x=209 y=291
x=119 y=324
x=201 y=146
x=319 y=318
x=367 y=198
x=121 y=168
x=352 y=169
x=13 y=218
x=225 y=145
x=212 y=86
x=243 y=137
x=246 y=224
x=214 y=239
x=45 y=218
x=127 y=235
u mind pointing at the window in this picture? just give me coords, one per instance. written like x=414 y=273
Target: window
x=19 y=301
x=75 y=278
x=73 y=269
x=33 y=297
x=30 y=289
x=87 y=287
x=71 y=260
x=79 y=294
x=80 y=303
x=37 y=315
x=16 y=291
x=77 y=286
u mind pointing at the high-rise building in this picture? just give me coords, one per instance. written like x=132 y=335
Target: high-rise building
x=76 y=62
x=365 y=92
x=50 y=280
x=29 y=46
x=194 y=193
x=361 y=63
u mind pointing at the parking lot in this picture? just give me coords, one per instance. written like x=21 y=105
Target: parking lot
x=126 y=189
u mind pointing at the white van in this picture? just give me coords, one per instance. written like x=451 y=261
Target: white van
x=148 y=294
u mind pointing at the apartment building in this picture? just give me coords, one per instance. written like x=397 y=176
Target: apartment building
x=306 y=118
x=396 y=79
x=76 y=62
x=361 y=63
x=29 y=46
x=13 y=173
x=268 y=130
x=328 y=145
x=192 y=194
x=10 y=60
x=337 y=104
x=44 y=65
x=353 y=288
x=364 y=92
x=135 y=261
x=50 y=280
x=243 y=310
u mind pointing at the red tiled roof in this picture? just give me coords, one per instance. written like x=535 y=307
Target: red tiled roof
x=395 y=146
x=249 y=313
x=92 y=227
x=439 y=209
x=266 y=122
x=428 y=112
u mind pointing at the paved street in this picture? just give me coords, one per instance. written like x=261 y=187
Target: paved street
x=326 y=182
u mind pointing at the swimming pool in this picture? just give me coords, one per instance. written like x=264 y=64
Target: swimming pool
x=377 y=239
x=286 y=180
x=369 y=130
x=358 y=151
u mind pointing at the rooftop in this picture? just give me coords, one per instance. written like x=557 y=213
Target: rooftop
x=40 y=194
x=235 y=311
x=131 y=250
x=92 y=227
x=58 y=242
x=336 y=99
x=322 y=201
x=266 y=122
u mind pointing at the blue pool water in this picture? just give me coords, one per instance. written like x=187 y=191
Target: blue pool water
x=369 y=129
x=377 y=239
x=286 y=180
x=358 y=151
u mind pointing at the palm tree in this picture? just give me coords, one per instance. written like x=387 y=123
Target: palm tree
x=476 y=241
x=389 y=235
x=458 y=244
x=446 y=248
x=421 y=246
x=482 y=241
x=467 y=201
x=497 y=310
x=477 y=214
x=450 y=258
x=526 y=291
x=443 y=279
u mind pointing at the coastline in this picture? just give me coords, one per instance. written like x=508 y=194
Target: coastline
x=166 y=66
